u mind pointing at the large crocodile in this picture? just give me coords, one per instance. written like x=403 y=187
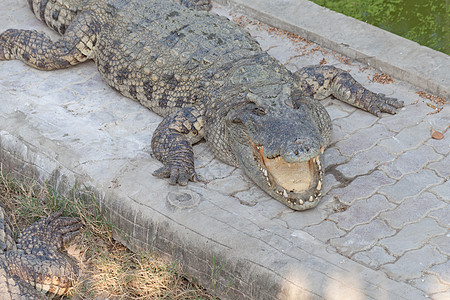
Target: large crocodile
x=209 y=79
x=34 y=262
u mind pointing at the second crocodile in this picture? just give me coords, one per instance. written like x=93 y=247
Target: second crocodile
x=209 y=79
x=34 y=268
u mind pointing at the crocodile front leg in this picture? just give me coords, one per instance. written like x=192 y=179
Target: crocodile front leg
x=172 y=144
x=322 y=81
x=37 y=49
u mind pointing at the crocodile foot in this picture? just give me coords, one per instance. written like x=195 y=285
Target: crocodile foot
x=378 y=103
x=177 y=173
x=54 y=231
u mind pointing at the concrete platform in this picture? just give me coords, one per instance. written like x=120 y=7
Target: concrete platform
x=380 y=232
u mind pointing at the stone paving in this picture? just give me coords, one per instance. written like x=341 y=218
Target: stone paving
x=380 y=232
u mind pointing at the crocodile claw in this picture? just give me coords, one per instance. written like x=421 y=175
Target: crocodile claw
x=177 y=174
x=53 y=230
x=380 y=103
x=65 y=229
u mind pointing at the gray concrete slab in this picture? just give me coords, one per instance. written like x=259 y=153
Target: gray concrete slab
x=380 y=232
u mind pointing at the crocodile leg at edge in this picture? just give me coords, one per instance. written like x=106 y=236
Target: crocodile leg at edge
x=38 y=261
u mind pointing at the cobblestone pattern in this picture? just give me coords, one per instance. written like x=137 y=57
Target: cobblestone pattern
x=387 y=189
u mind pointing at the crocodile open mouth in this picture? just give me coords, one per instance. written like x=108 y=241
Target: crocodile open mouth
x=294 y=177
x=297 y=183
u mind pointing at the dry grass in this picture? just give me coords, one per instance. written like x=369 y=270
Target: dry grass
x=108 y=270
x=436 y=103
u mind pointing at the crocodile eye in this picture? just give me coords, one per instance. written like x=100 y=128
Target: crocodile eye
x=236 y=120
x=259 y=111
x=290 y=103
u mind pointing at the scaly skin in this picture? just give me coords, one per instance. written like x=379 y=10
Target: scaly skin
x=209 y=79
x=34 y=262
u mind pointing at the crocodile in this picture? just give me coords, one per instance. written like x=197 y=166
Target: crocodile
x=34 y=268
x=208 y=79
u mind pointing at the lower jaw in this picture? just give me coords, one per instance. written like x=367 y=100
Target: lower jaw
x=305 y=193
x=303 y=201
x=297 y=201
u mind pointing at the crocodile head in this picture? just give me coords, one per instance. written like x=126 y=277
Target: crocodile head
x=281 y=149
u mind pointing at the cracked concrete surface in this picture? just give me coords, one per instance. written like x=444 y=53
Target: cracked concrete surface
x=380 y=232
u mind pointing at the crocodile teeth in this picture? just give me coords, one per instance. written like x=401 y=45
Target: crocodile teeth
x=311 y=199
x=285 y=194
x=319 y=185
x=264 y=171
x=301 y=201
x=322 y=150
